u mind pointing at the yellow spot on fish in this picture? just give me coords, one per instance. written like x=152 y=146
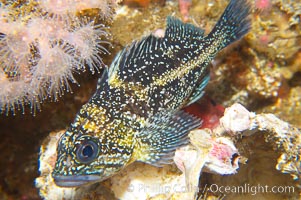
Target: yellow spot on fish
x=90 y=126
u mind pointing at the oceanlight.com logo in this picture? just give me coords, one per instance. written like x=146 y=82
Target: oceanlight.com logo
x=161 y=189
x=248 y=189
x=212 y=188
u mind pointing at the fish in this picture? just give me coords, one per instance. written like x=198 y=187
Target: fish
x=136 y=111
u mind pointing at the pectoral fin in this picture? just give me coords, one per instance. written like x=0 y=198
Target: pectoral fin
x=163 y=134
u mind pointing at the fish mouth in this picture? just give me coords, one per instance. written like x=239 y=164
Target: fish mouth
x=75 y=180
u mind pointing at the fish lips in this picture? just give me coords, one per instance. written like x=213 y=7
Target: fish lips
x=75 y=180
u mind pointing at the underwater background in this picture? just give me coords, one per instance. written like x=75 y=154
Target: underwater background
x=262 y=71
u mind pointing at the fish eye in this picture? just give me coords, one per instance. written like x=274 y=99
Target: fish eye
x=87 y=151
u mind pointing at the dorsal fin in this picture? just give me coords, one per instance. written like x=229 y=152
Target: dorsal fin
x=116 y=62
x=145 y=46
x=137 y=49
x=175 y=29
x=103 y=78
x=178 y=29
x=143 y=53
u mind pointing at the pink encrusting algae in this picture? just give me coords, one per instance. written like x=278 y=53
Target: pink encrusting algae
x=263 y=5
x=39 y=52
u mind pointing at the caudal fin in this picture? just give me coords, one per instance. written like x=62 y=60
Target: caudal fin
x=234 y=23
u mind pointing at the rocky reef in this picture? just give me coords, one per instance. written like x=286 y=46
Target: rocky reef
x=262 y=72
x=211 y=151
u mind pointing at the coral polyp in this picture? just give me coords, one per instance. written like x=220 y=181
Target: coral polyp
x=86 y=43
x=39 y=52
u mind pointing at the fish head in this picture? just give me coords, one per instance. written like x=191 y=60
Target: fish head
x=85 y=159
x=77 y=156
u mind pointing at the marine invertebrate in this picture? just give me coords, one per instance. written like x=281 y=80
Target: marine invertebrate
x=40 y=52
x=292 y=8
x=280 y=31
x=262 y=81
x=283 y=136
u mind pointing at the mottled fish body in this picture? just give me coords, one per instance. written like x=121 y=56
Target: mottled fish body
x=135 y=113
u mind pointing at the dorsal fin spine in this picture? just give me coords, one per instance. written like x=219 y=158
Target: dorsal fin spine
x=176 y=28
